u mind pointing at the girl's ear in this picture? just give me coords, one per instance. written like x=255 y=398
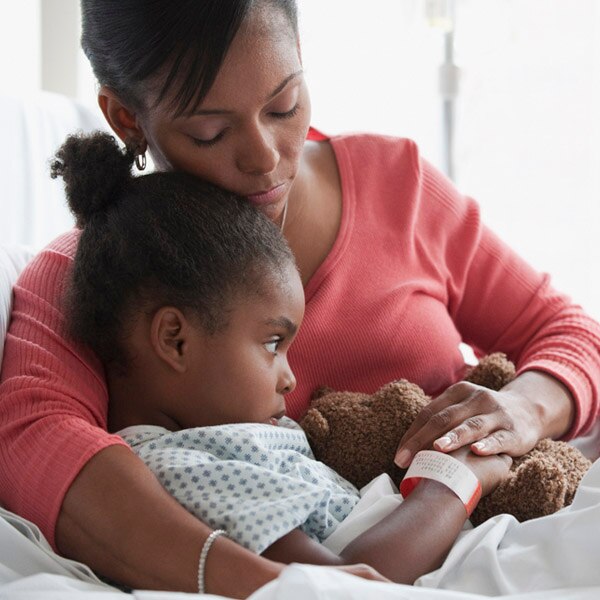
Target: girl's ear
x=122 y=119
x=170 y=338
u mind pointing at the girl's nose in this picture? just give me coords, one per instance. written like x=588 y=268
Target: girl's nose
x=287 y=380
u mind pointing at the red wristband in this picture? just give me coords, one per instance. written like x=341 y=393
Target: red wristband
x=429 y=464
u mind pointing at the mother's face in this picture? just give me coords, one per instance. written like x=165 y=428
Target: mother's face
x=248 y=133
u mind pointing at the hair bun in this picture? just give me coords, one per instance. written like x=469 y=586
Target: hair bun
x=95 y=170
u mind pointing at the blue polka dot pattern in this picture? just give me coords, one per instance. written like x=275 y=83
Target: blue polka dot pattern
x=255 y=481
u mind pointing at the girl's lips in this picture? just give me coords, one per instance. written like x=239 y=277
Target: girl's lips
x=267 y=197
x=274 y=420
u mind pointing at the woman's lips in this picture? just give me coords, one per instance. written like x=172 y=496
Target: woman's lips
x=268 y=197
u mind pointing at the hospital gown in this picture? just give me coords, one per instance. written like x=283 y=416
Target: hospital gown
x=257 y=482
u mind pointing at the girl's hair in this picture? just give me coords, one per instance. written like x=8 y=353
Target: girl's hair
x=162 y=239
x=129 y=41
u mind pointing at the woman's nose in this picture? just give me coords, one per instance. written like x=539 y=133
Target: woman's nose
x=258 y=154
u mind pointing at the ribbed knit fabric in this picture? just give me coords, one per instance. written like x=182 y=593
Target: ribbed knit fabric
x=53 y=396
x=411 y=274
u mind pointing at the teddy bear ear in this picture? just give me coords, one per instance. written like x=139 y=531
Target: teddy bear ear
x=401 y=390
x=493 y=371
x=315 y=426
x=320 y=392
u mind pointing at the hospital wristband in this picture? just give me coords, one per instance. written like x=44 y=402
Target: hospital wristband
x=204 y=553
x=429 y=464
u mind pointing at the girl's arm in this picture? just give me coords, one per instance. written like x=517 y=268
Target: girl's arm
x=119 y=520
x=402 y=546
x=412 y=540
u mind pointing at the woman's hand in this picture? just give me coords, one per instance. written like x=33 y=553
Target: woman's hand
x=511 y=421
x=490 y=470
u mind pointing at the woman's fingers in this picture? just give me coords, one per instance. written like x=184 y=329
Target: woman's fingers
x=464 y=414
x=472 y=429
x=495 y=442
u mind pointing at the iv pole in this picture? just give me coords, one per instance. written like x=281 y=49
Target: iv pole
x=441 y=15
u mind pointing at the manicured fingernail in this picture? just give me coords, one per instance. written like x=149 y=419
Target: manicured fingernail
x=442 y=443
x=479 y=445
x=402 y=459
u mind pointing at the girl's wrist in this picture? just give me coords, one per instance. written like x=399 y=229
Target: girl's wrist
x=451 y=472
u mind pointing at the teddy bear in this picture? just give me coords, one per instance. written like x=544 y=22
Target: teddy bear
x=357 y=435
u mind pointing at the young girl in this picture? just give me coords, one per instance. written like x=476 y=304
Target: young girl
x=191 y=299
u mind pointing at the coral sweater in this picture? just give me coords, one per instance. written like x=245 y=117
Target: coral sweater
x=412 y=273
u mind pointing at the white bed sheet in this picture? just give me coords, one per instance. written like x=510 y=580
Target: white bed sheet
x=552 y=557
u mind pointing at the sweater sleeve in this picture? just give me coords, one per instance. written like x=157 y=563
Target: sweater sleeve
x=53 y=396
x=500 y=303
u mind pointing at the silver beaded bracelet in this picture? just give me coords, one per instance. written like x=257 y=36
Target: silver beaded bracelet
x=204 y=553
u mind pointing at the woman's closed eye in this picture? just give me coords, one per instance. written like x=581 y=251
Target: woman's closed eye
x=204 y=143
x=287 y=114
x=207 y=142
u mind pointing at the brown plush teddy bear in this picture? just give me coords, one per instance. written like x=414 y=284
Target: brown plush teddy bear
x=357 y=435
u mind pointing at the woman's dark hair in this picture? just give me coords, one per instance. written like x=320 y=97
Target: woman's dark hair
x=128 y=41
x=162 y=239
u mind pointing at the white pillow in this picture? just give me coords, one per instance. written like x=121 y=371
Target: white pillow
x=33 y=126
x=12 y=261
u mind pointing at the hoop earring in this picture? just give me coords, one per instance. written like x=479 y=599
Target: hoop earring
x=140 y=160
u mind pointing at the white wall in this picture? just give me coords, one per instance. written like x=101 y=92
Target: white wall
x=60 y=30
x=39 y=50
x=528 y=110
x=528 y=131
x=20 y=46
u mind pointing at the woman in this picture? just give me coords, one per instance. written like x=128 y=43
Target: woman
x=394 y=262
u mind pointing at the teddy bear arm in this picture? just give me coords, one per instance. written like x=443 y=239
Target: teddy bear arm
x=316 y=428
x=534 y=489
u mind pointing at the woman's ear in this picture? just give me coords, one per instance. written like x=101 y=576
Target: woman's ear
x=170 y=337
x=122 y=119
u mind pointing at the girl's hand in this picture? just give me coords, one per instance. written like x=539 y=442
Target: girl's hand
x=490 y=470
x=490 y=422
x=364 y=571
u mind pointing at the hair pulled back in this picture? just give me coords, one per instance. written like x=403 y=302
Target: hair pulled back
x=185 y=41
x=84 y=163
x=162 y=239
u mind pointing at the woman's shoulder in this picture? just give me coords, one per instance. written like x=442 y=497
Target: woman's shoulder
x=374 y=160
x=378 y=147
x=65 y=244
x=386 y=162
x=45 y=273
x=61 y=248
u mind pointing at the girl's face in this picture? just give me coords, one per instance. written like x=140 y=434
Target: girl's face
x=242 y=373
x=247 y=135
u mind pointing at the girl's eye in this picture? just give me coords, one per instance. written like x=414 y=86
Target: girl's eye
x=286 y=115
x=273 y=345
x=207 y=143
